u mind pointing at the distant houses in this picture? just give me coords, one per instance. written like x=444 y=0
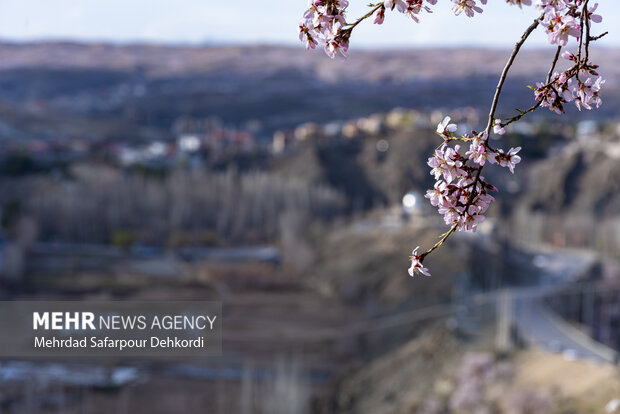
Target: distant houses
x=193 y=141
x=373 y=125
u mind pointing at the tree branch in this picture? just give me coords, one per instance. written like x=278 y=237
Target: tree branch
x=498 y=91
x=538 y=103
x=504 y=74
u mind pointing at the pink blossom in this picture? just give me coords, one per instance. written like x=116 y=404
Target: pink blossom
x=586 y=92
x=438 y=194
x=509 y=159
x=324 y=23
x=416 y=264
x=498 y=128
x=520 y=3
x=336 y=45
x=414 y=7
x=306 y=37
x=380 y=17
x=560 y=26
x=466 y=6
x=445 y=127
x=477 y=150
x=450 y=212
x=596 y=18
x=471 y=220
x=568 y=55
x=401 y=5
x=445 y=162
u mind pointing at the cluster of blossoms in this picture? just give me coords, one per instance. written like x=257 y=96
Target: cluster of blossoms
x=560 y=20
x=411 y=8
x=324 y=21
x=582 y=89
x=461 y=193
x=581 y=83
x=564 y=18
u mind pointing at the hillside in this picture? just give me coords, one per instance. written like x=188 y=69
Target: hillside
x=106 y=91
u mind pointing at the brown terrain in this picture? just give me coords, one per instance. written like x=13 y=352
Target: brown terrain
x=137 y=91
x=333 y=323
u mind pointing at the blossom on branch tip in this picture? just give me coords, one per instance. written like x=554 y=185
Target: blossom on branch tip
x=596 y=18
x=444 y=127
x=498 y=128
x=416 y=264
x=568 y=55
x=380 y=17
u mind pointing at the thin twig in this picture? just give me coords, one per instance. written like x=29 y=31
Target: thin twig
x=504 y=74
x=498 y=91
x=352 y=26
x=555 y=61
x=539 y=102
x=444 y=237
x=585 y=12
x=595 y=38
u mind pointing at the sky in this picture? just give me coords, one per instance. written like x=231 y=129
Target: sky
x=267 y=21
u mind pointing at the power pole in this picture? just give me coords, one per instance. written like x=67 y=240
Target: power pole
x=503 y=339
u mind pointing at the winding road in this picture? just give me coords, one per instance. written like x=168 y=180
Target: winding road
x=538 y=325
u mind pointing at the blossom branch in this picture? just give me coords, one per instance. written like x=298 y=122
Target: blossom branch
x=461 y=193
x=537 y=104
x=441 y=241
x=375 y=8
x=498 y=91
x=504 y=75
x=595 y=38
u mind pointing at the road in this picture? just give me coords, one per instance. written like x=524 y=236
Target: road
x=538 y=325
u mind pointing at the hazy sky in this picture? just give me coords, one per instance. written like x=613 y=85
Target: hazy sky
x=250 y=21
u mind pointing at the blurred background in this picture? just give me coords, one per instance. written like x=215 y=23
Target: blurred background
x=194 y=151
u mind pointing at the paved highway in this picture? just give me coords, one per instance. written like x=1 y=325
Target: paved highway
x=540 y=326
